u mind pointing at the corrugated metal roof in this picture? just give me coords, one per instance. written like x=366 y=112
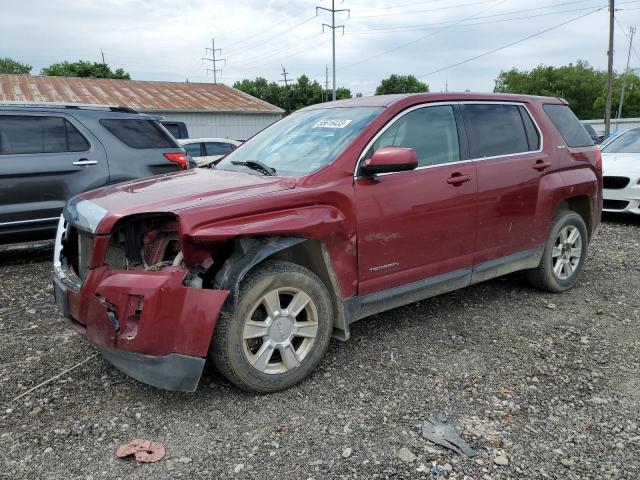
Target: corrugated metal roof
x=140 y=95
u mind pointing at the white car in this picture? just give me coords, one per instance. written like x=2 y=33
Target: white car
x=205 y=151
x=621 y=172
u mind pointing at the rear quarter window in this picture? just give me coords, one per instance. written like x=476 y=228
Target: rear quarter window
x=568 y=125
x=140 y=134
x=497 y=129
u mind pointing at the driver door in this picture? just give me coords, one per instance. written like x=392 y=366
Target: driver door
x=418 y=224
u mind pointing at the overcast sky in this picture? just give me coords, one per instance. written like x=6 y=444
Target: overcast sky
x=165 y=40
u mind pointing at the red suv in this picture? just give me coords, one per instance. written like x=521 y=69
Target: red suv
x=339 y=211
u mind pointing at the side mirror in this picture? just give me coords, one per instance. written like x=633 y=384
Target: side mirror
x=390 y=159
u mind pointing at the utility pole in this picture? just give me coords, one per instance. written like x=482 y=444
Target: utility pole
x=102 y=53
x=607 y=108
x=632 y=31
x=286 y=87
x=326 y=83
x=214 y=60
x=333 y=27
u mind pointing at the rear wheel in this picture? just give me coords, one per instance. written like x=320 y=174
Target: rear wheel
x=564 y=254
x=279 y=331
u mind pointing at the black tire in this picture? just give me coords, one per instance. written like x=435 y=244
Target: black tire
x=229 y=352
x=544 y=277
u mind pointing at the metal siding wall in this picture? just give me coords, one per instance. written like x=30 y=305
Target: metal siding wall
x=224 y=125
x=616 y=125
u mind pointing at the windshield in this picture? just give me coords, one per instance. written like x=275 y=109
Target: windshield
x=301 y=143
x=628 y=142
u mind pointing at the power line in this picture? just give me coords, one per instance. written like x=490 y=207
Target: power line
x=475 y=57
x=426 y=10
x=633 y=49
x=464 y=25
x=493 y=15
x=499 y=2
x=268 y=39
x=303 y=49
x=244 y=40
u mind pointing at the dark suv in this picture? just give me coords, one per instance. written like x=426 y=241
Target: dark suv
x=337 y=212
x=51 y=152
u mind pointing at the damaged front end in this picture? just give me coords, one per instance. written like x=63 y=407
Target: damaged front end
x=130 y=293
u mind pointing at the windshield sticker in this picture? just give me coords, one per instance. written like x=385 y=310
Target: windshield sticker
x=332 y=124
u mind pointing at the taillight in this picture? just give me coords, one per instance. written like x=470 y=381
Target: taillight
x=179 y=158
x=598 y=154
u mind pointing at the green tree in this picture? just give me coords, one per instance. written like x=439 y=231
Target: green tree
x=584 y=87
x=82 y=68
x=401 y=84
x=343 y=93
x=8 y=65
x=299 y=94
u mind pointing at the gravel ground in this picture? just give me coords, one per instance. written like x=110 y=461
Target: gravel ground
x=548 y=383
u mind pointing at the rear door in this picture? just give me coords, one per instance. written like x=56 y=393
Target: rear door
x=45 y=158
x=418 y=224
x=506 y=146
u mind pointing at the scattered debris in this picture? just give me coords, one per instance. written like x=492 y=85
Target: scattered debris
x=56 y=376
x=438 y=472
x=437 y=430
x=144 y=451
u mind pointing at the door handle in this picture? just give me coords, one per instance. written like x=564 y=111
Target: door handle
x=83 y=162
x=458 y=178
x=541 y=165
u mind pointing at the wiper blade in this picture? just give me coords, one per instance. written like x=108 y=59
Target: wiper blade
x=255 y=165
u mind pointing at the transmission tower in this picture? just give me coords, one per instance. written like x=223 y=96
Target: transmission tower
x=333 y=28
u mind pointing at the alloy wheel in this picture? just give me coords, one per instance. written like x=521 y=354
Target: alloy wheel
x=567 y=252
x=280 y=330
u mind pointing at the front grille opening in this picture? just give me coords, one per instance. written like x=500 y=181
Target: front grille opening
x=615 y=183
x=615 y=204
x=147 y=244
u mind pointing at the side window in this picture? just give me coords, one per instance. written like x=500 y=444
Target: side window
x=21 y=134
x=533 y=136
x=568 y=125
x=140 y=134
x=173 y=128
x=218 y=148
x=193 y=149
x=495 y=129
x=430 y=131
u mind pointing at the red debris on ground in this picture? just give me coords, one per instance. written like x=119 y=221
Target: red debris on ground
x=145 y=451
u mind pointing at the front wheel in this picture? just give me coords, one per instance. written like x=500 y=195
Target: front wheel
x=564 y=254
x=279 y=332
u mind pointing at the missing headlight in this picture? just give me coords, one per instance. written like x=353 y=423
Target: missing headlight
x=148 y=243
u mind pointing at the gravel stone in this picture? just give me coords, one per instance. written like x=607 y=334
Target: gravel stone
x=473 y=354
x=406 y=455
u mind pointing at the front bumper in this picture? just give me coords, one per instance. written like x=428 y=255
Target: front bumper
x=170 y=372
x=626 y=200
x=148 y=324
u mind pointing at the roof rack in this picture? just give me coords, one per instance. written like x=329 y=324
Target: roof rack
x=73 y=106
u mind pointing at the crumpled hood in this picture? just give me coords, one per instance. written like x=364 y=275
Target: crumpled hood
x=621 y=164
x=170 y=193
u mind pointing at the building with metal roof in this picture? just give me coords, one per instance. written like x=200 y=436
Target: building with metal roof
x=208 y=110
